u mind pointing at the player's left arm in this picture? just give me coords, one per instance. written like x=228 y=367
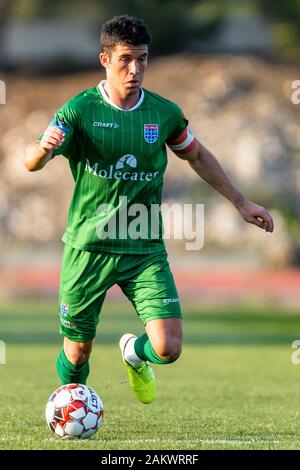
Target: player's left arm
x=205 y=164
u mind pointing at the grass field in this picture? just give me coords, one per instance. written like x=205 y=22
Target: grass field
x=233 y=388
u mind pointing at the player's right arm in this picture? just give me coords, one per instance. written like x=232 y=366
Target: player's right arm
x=38 y=154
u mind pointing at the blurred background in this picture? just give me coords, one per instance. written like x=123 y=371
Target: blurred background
x=230 y=66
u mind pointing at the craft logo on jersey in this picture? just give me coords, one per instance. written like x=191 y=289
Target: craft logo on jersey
x=151 y=133
x=64 y=309
x=109 y=125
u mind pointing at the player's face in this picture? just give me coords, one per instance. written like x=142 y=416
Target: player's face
x=125 y=67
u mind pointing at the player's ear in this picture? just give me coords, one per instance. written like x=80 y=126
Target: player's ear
x=104 y=59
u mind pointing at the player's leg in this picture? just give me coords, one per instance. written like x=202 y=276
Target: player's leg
x=77 y=352
x=78 y=326
x=73 y=361
x=152 y=291
x=160 y=345
x=82 y=292
x=162 y=342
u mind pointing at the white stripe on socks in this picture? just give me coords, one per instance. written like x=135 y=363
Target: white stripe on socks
x=130 y=355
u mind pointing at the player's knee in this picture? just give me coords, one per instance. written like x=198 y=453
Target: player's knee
x=79 y=354
x=169 y=351
x=78 y=357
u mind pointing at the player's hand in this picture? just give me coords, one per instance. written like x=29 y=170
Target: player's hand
x=257 y=215
x=52 y=138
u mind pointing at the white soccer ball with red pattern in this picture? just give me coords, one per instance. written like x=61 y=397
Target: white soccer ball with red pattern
x=74 y=411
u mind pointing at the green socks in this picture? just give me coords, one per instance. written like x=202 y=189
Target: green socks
x=70 y=373
x=144 y=350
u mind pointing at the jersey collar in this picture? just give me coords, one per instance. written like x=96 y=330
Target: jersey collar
x=106 y=98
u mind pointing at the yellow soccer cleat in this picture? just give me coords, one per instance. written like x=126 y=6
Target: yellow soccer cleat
x=141 y=378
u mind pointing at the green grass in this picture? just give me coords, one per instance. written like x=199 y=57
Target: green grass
x=233 y=388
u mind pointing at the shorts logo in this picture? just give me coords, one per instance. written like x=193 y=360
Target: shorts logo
x=170 y=301
x=151 y=133
x=64 y=309
x=68 y=324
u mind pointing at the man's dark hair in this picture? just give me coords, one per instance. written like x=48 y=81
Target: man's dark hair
x=123 y=29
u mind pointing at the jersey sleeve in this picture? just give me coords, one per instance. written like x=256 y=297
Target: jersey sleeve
x=67 y=115
x=181 y=139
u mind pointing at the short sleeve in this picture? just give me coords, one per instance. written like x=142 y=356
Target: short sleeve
x=181 y=139
x=178 y=123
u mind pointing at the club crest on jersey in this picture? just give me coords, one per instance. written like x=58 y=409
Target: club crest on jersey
x=64 y=309
x=151 y=133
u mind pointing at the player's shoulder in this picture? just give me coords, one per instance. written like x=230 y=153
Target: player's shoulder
x=161 y=102
x=82 y=99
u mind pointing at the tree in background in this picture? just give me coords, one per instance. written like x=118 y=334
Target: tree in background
x=5 y=11
x=173 y=23
x=285 y=25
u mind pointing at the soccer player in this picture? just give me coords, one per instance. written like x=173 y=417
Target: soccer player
x=114 y=136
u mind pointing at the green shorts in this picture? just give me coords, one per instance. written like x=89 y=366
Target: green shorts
x=146 y=280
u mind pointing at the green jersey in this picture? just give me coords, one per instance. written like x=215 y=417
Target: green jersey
x=118 y=158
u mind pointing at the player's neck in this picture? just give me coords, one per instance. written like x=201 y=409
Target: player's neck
x=122 y=100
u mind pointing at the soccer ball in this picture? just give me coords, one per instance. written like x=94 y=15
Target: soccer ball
x=74 y=411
